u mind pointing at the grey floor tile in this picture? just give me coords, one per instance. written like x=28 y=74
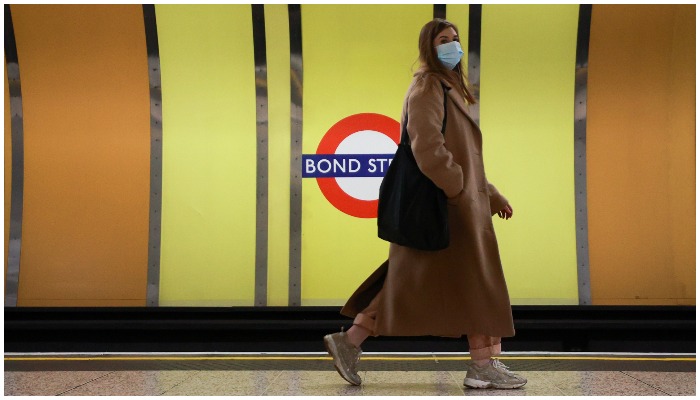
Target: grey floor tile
x=313 y=383
x=133 y=383
x=47 y=383
x=599 y=383
x=292 y=382
x=410 y=383
x=225 y=383
x=671 y=383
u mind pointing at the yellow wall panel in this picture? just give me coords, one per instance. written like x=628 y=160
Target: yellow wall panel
x=278 y=91
x=641 y=154
x=87 y=139
x=528 y=55
x=357 y=59
x=209 y=154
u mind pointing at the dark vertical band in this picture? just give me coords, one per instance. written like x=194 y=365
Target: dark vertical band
x=580 y=101
x=261 y=127
x=17 y=185
x=297 y=85
x=155 y=206
x=440 y=11
x=17 y=194
x=474 y=56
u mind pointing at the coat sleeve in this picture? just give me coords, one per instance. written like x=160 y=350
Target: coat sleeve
x=425 y=115
x=496 y=199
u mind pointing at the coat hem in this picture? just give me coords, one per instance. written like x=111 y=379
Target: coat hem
x=452 y=336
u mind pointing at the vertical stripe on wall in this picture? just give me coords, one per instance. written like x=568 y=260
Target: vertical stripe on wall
x=297 y=93
x=155 y=207
x=13 y=226
x=261 y=223
x=279 y=133
x=440 y=11
x=641 y=153
x=528 y=53
x=474 y=58
x=209 y=155
x=8 y=169
x=581 y=73
x=86 y=183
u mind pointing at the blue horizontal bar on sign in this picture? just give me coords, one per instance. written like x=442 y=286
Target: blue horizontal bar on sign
x=345 y=165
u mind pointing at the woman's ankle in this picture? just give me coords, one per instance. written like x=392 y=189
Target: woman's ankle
x=482 y=362
x=357 y=334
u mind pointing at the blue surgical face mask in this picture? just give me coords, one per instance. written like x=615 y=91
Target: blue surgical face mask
x=450 y=54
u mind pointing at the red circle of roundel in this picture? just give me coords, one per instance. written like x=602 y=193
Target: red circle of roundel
x=329 y=144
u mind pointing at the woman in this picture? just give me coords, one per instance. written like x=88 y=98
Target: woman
x=460 y=290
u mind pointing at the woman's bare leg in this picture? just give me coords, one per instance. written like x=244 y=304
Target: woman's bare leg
x=364 y=323
x=357 y=334
x=482 y=347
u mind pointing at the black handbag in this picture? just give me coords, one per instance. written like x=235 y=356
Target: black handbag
x=412 y=210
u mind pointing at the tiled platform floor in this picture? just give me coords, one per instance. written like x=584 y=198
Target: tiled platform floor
x=314 y=375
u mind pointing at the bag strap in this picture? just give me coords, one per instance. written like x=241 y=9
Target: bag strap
x=404 y=129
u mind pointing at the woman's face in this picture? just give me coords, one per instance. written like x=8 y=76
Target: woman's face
x=446 y=36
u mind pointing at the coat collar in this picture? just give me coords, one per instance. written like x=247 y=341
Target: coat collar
x=459 y=102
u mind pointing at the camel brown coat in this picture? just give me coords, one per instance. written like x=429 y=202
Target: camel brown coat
x=461 y=289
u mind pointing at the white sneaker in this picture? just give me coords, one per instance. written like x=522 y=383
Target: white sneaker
x=345 y=356
x=492 y=375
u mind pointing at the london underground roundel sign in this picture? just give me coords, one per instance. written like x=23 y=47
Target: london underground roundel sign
x=351 y=161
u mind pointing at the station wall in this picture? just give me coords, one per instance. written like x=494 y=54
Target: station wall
x=87 y=120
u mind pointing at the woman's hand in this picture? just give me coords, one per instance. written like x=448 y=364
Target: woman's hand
x=506 y=212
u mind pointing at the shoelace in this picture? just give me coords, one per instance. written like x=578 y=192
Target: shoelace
x=500 y=366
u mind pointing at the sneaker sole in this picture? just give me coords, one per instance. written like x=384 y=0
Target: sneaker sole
x=477 y=384
x=333 y=351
